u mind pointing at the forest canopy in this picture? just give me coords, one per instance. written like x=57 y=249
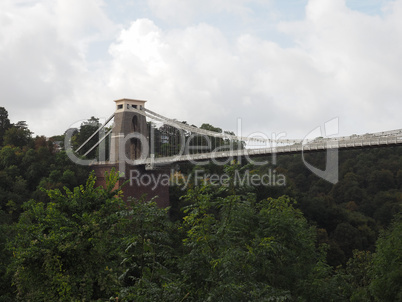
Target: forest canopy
x=62 y=238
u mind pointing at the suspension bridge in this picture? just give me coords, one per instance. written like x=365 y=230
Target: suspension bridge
x=166 y=140
x=143 y=138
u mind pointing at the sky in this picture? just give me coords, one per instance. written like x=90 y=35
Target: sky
x=273 y=66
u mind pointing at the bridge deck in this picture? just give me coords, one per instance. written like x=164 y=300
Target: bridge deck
x=317 y=145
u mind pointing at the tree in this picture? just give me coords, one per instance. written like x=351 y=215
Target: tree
x=348 y=237
x=386 y=272
x=357 y=274
x=238 y=249
x=18 y=135
x=68 y=249
x=86 y=130
x=9 y=156
x=5 y=258
x=149 y=258
x=4 y=123
x=381 y=180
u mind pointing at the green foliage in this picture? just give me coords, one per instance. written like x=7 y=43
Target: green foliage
x=9 y=156
x=68 y=249
x=87 y=128
x=356 y=276
x=18 y=135
x=228 y=243
x=352 y=211
x=238 y=249
x=149 y=258
x=5 y=258
x=22 y=171
x=4 y=123
x=386 y=273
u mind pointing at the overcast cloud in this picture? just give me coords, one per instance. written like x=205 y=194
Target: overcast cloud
x=280 y=68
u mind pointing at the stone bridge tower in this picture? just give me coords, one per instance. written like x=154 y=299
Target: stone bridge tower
x=130 y=130
x=128 y=123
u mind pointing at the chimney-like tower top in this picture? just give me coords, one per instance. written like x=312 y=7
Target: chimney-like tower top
x=127 y=104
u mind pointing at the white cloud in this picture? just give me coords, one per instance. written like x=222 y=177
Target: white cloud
x=43 y=59
x=360 y=53
x=342 y=63
x=197 y=75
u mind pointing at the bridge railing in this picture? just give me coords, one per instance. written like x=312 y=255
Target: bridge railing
x=173 y=141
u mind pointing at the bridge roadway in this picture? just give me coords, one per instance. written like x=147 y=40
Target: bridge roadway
x=284 y=146
x=390 y=138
